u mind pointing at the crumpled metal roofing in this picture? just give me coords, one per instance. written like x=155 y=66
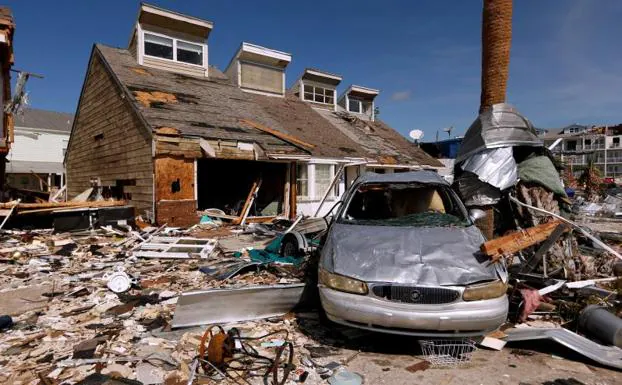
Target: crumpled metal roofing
x=500 y=126
x=495 y=166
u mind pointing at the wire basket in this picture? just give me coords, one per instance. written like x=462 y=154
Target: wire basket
x=447 y=352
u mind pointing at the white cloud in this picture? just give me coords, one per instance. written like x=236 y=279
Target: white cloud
x=401 y=95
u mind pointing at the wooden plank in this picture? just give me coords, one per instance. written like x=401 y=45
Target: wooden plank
x=207 y=148
x=293 y=192
x=519 y=240
x=247 y=204
x=546 y=245
x=61 y=205
x=286 y=137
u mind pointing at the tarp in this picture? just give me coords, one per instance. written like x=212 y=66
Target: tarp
x=500 y=126
x=410 y=255
x=540 y=170
x=270 y=254
x=495 y=166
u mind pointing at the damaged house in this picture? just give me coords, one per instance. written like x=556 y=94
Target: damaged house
x=159 y=126
x=7 y=27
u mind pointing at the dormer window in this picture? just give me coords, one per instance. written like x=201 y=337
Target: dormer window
x=318 y=88
x=189 y=53
x=319 y=94
x=355 y=105
x=171 y=41
x=360 y=101
x=259 y=69
x=159 y=46
x=173 y=49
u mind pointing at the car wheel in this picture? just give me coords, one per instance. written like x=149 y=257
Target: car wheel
x=290 y=246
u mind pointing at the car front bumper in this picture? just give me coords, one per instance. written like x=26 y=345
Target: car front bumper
x=458 y=319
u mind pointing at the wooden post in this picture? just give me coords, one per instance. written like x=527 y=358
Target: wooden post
x=293 y=190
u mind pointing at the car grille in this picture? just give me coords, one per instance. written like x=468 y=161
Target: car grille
x=416 y=294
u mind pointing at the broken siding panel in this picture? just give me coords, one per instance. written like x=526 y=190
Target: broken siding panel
x=185 y=147
x=261 y=78
x=108 y=141
x=169 y=65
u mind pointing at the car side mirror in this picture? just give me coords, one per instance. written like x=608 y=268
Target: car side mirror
x=476 y=214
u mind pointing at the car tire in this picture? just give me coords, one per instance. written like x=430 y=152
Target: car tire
x=290 y=246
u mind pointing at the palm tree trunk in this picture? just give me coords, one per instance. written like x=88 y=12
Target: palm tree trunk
x=496 y=42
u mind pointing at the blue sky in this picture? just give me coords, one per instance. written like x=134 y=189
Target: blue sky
x=424 y=56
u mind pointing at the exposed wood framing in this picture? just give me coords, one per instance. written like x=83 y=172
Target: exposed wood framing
x=185 y=147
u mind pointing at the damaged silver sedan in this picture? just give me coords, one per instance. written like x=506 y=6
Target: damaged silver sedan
x=402 y=256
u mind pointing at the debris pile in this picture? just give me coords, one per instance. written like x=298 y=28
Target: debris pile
x=558 y=267
x=80 y=304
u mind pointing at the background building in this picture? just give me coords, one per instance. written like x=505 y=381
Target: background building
x=577 y=144
x=36 y=158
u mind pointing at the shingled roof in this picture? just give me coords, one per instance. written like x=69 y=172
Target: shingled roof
x=214 y=108
x=48 y=120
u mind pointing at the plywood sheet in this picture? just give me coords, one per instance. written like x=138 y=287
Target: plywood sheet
x=174 y=178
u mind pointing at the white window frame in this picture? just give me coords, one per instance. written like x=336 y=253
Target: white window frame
x=360 y=102
x=314 y=93
x=175 y=40
x=313 y=194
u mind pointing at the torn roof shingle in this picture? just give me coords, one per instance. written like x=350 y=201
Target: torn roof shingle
x=213 y=108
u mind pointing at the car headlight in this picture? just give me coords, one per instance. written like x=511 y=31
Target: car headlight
x=486 y=290
x=342 y=283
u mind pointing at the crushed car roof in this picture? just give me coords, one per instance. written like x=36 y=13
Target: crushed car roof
x=403 y=177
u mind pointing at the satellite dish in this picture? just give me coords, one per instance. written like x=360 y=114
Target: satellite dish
x=415 y=134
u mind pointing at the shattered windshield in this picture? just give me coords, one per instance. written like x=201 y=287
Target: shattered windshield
x=405 y=204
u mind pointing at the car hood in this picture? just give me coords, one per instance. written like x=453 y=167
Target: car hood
x=433 y=256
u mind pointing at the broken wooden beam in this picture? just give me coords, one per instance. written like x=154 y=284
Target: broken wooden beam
x=60 y=205
x=519 y=240
x=281 y=135
x=247 y=205
x=548 y=243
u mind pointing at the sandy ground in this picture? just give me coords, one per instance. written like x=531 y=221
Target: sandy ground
x=385 y=359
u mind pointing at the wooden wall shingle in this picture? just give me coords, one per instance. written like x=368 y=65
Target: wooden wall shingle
x=108 y=141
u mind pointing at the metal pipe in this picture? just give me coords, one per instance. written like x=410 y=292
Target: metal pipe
x=600 y=323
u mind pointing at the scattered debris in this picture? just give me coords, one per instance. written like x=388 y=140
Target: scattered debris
x=605 y=355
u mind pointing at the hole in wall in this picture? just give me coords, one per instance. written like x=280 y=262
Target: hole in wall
x=176 y=186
